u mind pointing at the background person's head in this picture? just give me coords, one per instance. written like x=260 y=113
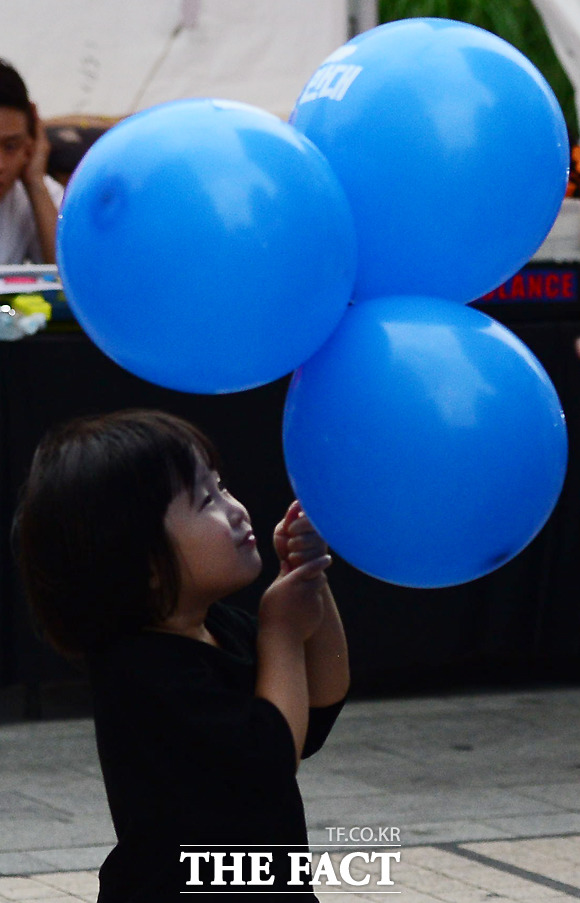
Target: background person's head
x=90 y=527
x=16 y=127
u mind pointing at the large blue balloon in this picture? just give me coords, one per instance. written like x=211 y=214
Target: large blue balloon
x=425 y=441
x=452 y=150
x=207 y=246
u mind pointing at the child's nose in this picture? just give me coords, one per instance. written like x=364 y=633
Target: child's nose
x=238 y=512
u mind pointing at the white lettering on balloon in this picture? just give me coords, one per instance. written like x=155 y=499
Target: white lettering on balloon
x=332 y=81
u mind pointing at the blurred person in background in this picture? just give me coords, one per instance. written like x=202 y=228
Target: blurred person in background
x=29 y=198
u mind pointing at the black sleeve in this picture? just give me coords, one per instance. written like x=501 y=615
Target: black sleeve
x=222 y=728
x=320 y=719
x=227 y=728
x=196 y=747
x=320 y=723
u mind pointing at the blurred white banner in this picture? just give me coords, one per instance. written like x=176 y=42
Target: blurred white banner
x=113 y=57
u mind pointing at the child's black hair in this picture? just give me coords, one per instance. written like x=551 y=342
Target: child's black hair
x=89 y=530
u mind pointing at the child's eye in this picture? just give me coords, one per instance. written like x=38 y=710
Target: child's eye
x=220 y=488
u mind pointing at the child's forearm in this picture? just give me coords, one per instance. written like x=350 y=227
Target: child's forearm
x=327 y=667
x=282 y=680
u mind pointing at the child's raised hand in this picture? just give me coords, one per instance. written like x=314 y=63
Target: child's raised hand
x=296 y=541
x=293 y=603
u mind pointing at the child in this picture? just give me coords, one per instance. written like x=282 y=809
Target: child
x=29 y=199
x=128 y=540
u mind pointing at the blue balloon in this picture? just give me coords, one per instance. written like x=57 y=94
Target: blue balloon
x=206 y=246
x=452 y=149
x=425 y=441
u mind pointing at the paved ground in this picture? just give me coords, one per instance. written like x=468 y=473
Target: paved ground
x=484 y=791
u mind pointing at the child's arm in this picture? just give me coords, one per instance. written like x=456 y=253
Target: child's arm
x=326 y=651
x=290 y=613
x=43 y=208
x=327 y=665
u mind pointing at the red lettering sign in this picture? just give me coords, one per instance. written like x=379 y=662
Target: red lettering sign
x=538 y=285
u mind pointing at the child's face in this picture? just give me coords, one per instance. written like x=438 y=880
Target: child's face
x=214 y=542
x=15 y=147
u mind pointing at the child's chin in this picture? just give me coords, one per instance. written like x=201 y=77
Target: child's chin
x=250 y=571
x=258 y=565
x=255 y=568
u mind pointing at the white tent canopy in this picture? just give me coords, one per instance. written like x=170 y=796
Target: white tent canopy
x=113 y=57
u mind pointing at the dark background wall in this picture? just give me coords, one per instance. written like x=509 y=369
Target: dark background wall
x=520 y=623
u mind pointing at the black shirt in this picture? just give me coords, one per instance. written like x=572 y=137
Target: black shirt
x=193 y=761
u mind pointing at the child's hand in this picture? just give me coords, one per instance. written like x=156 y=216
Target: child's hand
x=293 y=603
x=296 y=541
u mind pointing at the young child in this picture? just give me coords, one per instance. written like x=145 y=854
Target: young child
x=128 y=541
x=29 y=199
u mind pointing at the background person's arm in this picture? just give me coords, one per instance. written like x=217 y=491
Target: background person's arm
x=43 y=207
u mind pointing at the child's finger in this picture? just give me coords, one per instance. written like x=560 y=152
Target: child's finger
x=310 y=570
x=292 y=514
x=301 y=525
x=295 y=559
x=280 y=529
x=307 y=544
x=308 y=540
x=280 y=538
x=301 y=549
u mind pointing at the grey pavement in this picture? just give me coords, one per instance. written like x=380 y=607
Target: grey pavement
x=481 y=790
